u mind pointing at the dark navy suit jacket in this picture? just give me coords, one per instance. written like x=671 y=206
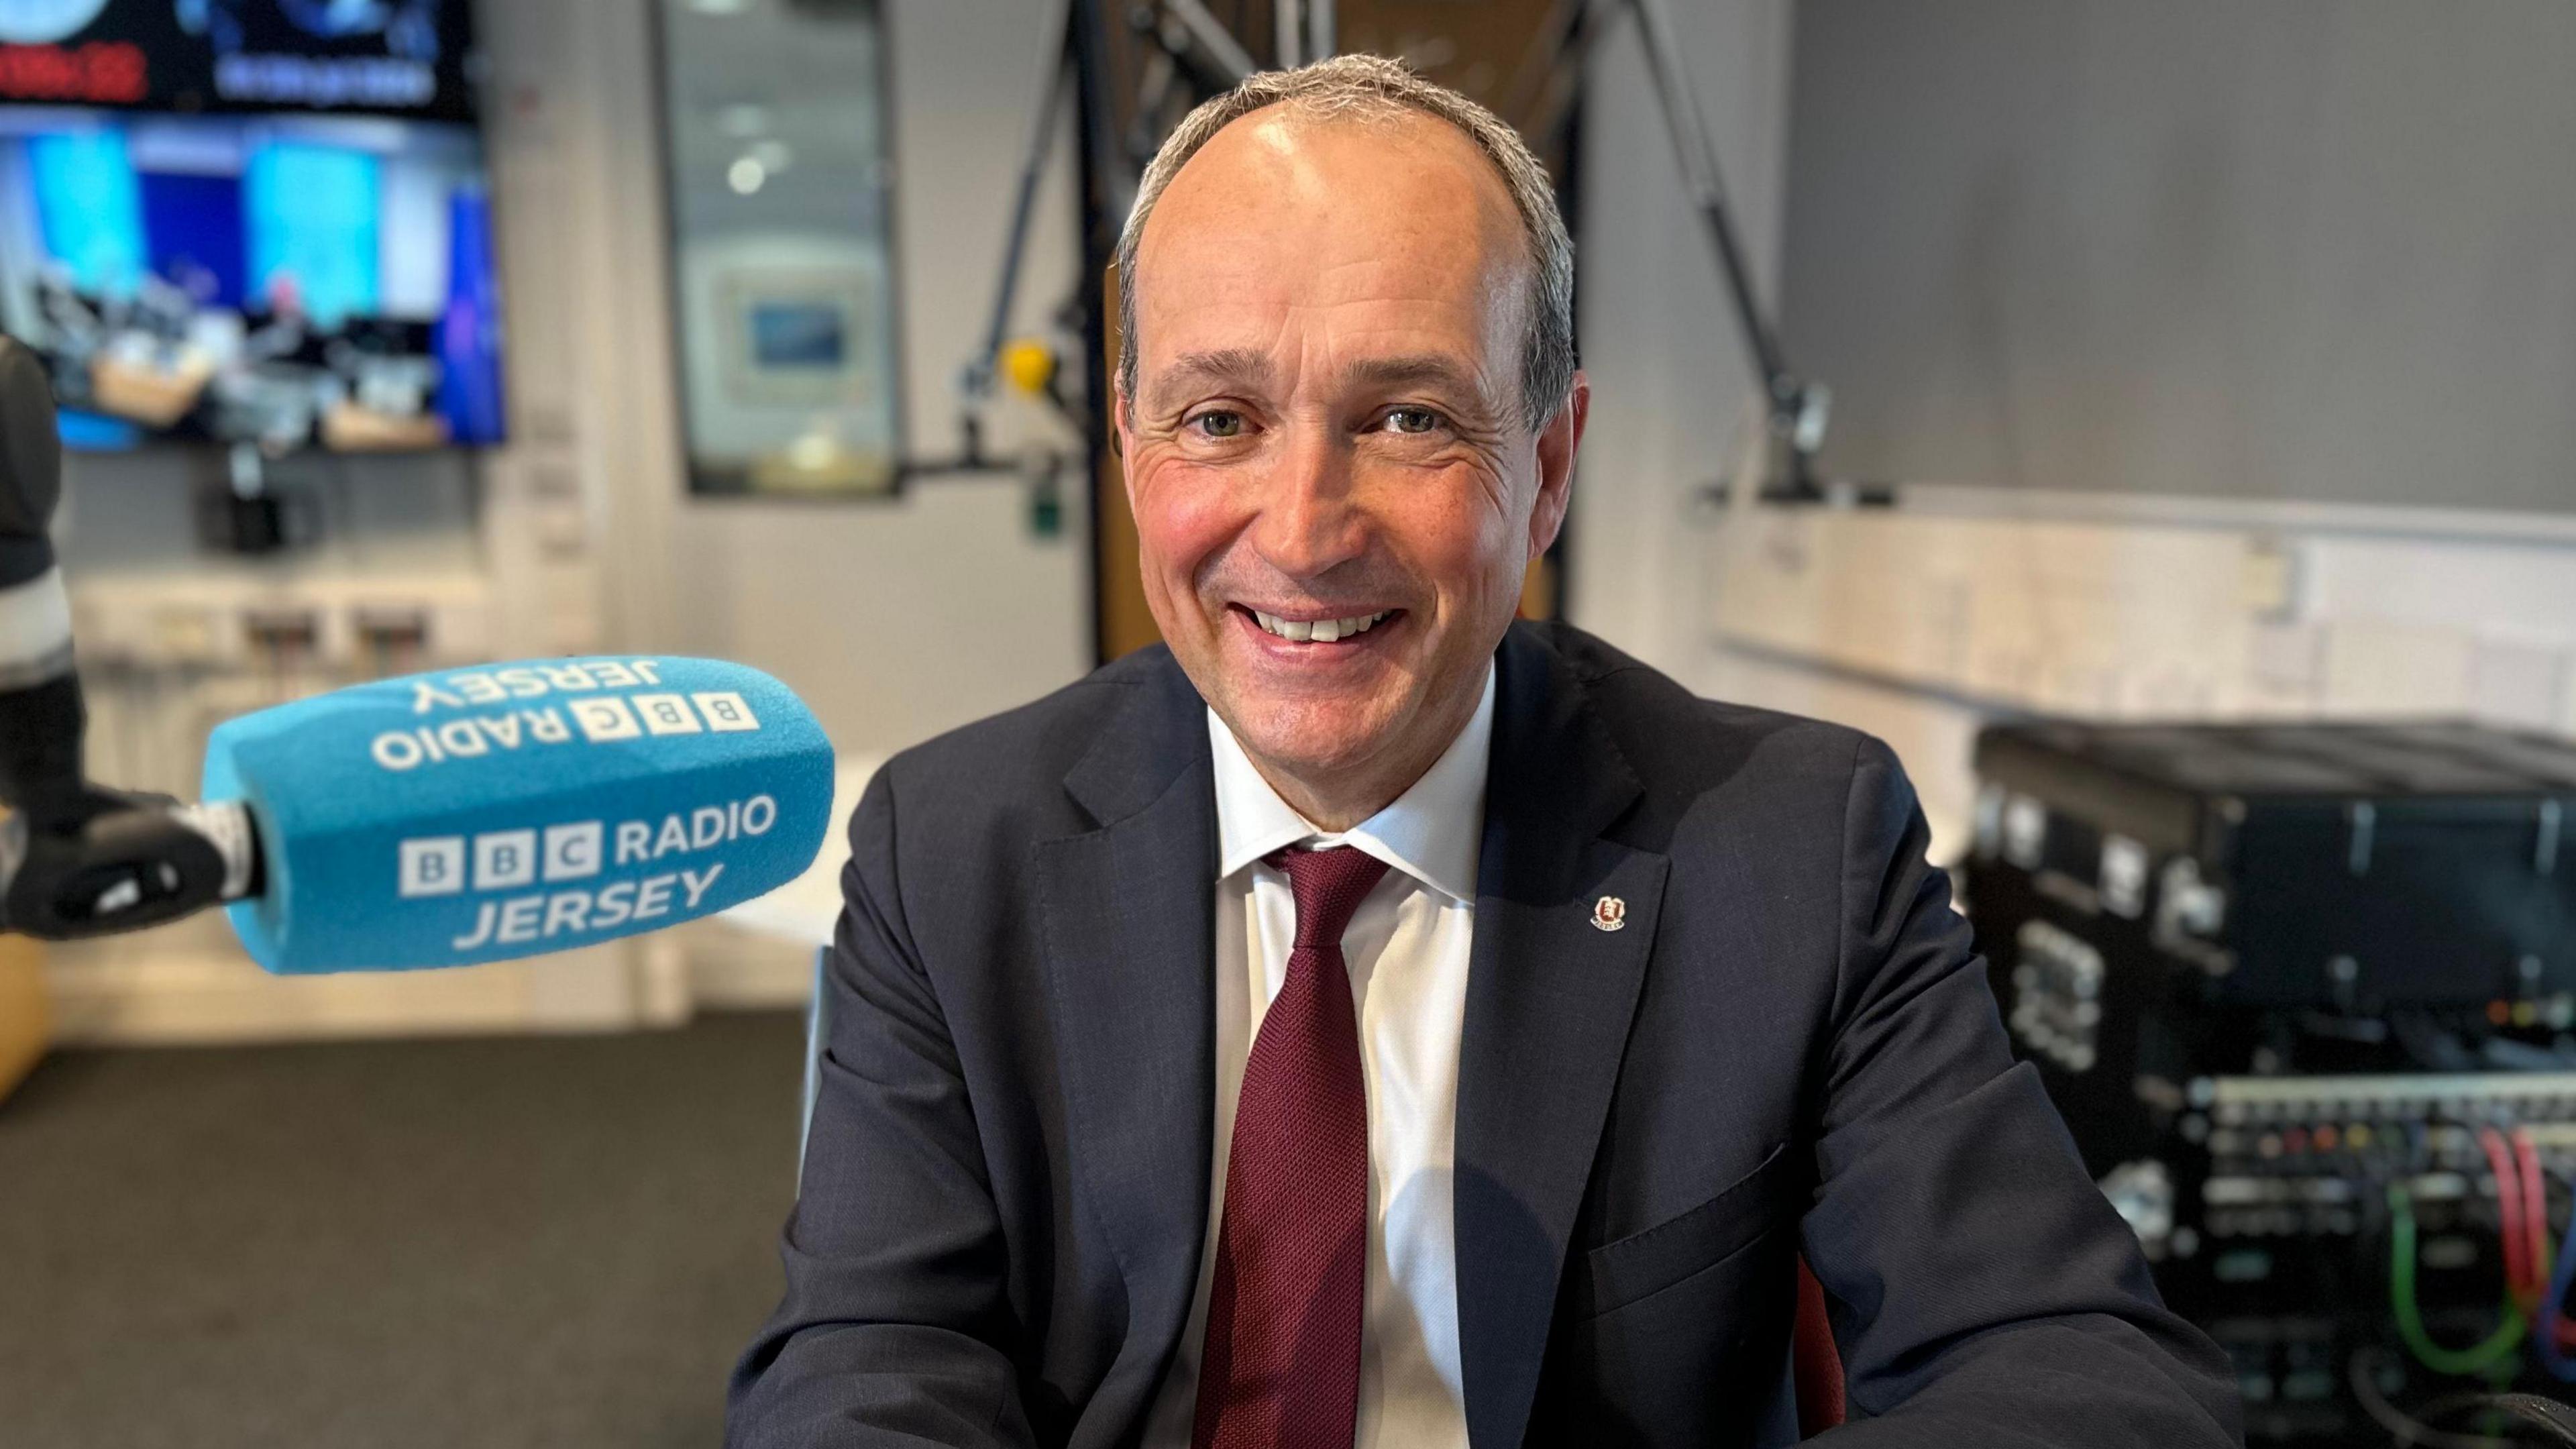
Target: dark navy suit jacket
x=1788 y=1046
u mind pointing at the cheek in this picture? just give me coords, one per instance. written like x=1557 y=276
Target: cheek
x=1457 y=537
x=1183 y=518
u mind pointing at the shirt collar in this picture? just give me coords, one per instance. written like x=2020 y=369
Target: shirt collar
x=1432 y=832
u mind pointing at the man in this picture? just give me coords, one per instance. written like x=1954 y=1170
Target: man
x=1372 y=1021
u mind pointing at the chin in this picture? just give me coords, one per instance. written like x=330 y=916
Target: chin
x=1313 y=738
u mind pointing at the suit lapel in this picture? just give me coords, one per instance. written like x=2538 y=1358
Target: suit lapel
x=1130 y=940
x=1550 y=996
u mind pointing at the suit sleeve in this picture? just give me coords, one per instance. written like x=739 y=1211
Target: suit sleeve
x=892 y=1326
x=1982 y=1289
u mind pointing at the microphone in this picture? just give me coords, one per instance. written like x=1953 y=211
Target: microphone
x=451 y=818
x=477 y=815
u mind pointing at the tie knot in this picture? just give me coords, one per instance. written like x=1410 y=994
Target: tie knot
x=1328 y=885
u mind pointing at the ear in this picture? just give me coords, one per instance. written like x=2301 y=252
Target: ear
x=1556 y=446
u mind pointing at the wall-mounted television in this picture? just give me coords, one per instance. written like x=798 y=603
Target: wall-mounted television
x=266 y=221
x=392 y=57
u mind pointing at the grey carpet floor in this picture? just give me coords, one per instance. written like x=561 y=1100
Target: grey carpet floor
x=475 y=1244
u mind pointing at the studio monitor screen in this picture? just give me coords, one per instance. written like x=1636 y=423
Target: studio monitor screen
x=250 y=221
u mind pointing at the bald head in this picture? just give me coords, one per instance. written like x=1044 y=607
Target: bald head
x=1394 y=122
x=1285 y=214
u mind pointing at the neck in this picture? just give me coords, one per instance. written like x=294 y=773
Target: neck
x=1336 y=800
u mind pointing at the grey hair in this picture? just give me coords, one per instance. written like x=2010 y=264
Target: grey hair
x=1367 y=87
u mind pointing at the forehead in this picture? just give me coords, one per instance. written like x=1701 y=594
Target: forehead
x=1394 y=224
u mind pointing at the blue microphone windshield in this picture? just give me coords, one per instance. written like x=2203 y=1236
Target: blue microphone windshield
x=481 y=814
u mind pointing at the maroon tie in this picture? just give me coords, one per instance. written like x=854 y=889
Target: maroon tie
x=1282 y=1365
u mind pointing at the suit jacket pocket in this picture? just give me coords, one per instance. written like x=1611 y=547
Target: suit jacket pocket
x=1643 y=1263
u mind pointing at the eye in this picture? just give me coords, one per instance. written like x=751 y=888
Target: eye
x=1217 y=423
x=1413 y=420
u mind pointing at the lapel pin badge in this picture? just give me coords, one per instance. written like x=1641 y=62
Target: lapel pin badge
x=1609 y=913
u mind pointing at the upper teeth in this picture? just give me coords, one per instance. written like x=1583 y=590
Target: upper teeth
x=1320 y=631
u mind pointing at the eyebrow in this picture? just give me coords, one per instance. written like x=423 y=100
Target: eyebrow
x=1242 y=366
x=1248 y=368
x=1408 y=371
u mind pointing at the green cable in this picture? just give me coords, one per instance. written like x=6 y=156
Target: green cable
x=2460 y=1362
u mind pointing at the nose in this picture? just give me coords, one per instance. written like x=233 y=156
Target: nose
x=1309 y=521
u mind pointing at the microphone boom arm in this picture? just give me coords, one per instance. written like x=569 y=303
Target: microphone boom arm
x=76 y=859
x=1540 y=100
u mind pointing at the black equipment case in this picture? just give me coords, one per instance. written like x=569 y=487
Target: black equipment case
x=2267 y=971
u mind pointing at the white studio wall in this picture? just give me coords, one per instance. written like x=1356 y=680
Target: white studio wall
x=1671 y=386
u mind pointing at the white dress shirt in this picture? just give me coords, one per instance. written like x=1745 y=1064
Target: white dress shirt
x=1407 y=949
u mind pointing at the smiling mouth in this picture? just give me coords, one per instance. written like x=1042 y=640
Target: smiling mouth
x=1316 y=631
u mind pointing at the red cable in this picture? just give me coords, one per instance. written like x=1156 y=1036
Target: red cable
x=2535 y=1207
x=2517 y=1273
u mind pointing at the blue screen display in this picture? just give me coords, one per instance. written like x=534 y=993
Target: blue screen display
x=797 y=334
x=292 y=281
